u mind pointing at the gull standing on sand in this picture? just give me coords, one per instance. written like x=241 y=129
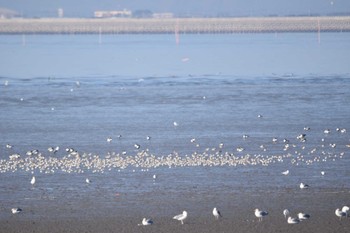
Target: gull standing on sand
x=303 y=186
x=146 y=222
x=293 y=220
x=340 y=213
x=286 y=213
x=16 y=210
x=303 y=216
x=181 y=217
x=216 y=213
x=346 y=209
x=260 y=214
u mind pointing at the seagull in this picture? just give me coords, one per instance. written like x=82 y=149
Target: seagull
x=32 y=181
x=109 y=139
x=286 y=213
x=154 y=176
x=216 y=213
x=260 y=116
x=286 y=172
x=146 y=222
x=260 y=214
x=301 y=137
x=9 y=146
x=304 y=186
x=346 y=209
x=293 y=220
x=137 y=146
x=340 y=213
x=327 y=131
x=16 y=210
x=181 y=217
x=303 y=216
x=323 y=173
x=53 y=149
x=88 y=181
x=148 y=138
x=175 y=124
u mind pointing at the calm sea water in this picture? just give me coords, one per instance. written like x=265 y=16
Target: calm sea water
x=78 y=90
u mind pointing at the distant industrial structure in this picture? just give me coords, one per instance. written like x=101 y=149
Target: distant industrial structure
x=113 y=14
x=128 y=14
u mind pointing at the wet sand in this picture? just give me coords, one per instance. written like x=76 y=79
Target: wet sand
x=237 y=209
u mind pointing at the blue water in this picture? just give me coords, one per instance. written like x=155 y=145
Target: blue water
x=76 y=56
x=72 y=91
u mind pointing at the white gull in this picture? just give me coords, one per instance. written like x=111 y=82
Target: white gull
x=181 y=217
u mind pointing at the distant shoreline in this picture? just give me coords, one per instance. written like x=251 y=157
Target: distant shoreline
x=174 y=25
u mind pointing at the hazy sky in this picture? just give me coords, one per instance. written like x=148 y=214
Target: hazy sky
x=85 y=8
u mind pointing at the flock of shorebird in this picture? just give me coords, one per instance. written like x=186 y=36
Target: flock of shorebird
x=344 y=212
x=297 y=153
x=76 y=162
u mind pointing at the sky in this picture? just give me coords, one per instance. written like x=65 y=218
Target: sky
x=212 y=8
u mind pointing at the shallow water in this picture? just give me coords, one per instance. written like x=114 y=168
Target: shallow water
x=48 y=105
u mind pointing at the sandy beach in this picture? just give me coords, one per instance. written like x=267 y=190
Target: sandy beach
x=236 y=207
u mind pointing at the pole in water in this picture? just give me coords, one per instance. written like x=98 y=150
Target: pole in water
x=100 y=35
x=177 y=36
x=319 y=31
x=23 y=40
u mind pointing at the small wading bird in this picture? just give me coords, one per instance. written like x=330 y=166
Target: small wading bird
x=216 y=213
x=181 y=217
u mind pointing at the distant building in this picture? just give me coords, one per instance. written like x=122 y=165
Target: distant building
x=7 y=13
x=112 y=14
x=60 y=13
x=166 y=15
